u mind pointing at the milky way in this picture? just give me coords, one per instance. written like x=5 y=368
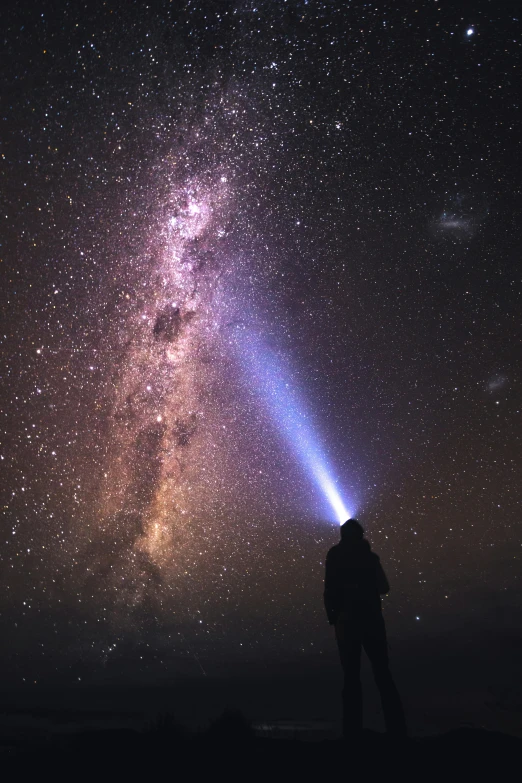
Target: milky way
x=337 y=180
x=160 y=447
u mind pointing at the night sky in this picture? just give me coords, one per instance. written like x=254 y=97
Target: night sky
x=203 y=204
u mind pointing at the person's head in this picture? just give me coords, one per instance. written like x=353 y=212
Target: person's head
x=352 y=530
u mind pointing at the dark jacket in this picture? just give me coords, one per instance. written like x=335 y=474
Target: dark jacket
x=354 y=580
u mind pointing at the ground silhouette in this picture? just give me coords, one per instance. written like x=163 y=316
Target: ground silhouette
x=230 y=746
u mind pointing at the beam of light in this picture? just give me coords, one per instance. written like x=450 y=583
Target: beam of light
x=290 y=416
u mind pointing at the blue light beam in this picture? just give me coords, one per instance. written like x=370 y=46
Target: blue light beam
x=290 y=416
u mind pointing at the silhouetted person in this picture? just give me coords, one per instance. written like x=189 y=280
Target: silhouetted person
x=354 y=583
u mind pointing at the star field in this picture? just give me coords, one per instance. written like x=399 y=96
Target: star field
x=339 y=179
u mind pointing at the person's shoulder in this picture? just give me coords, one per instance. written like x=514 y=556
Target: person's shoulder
x=333 y=551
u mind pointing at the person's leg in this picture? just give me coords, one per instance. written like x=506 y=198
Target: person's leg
x=349 y=644
x=376 y=648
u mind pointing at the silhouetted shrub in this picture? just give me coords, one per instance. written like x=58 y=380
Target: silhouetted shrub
x=167 y=727
x=231 y=726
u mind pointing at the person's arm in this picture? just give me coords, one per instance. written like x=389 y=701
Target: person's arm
x=330 y=591
x=382 y=580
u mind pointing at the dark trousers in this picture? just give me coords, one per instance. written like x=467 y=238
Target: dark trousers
x=354 y=631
